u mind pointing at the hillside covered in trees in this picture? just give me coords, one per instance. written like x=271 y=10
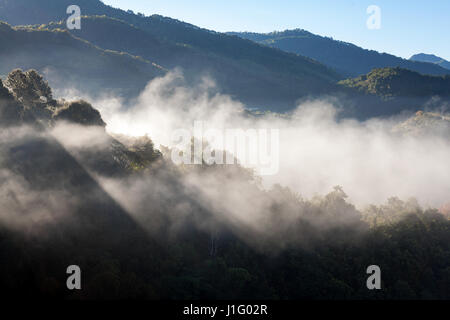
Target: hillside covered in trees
x=257 y=75
x=390 y=91
x=138 y=48
x=58 y=208
x=73 y=63
x=79 y=186
x=346 y=58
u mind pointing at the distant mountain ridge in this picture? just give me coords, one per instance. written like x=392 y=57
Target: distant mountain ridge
x=72 y=62
x=257 y=75
x=139 y=48
x=344 y=57
x=431 y=58
x=36 y=157
x=26 y=98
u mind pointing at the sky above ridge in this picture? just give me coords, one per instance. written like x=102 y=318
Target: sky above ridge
x=406 y=27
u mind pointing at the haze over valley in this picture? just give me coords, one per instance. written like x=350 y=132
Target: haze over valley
x=91 y=119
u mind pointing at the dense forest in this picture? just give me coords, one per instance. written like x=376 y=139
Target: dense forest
x=174 y=245
x=69 y=61
x=346 y=58
x=397 y=82
x=390 y=91
x=86 y=180
x=118 y=52
x=257 y=75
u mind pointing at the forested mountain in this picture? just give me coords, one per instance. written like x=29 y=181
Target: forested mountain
x=73 y=63
x=397 y=82
x=257 y=75
x=431 y=58
x=56 y=212
x=346 y=58
x=141 y=227
x=47 y=176
x=390 y=91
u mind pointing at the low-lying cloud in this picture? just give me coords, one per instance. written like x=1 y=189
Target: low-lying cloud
x=317 y=151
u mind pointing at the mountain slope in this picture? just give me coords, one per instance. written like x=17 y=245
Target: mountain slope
x=257 y=75
x=65 y=215
x=24 y=12
x=431 y=58
x=389 y=91
x=344 y=57
x=397 y=82
x=55 y=213
x=71 y=62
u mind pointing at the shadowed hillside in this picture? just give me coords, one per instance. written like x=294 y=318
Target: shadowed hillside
x=257 y=75
x=390 y=91
x=431 y=58
x=64 y=215
x=397 y=82
x=73 y=63
x=345 y=58
x=155 y=233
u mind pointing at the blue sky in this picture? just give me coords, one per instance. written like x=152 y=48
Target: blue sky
x=407 y=27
